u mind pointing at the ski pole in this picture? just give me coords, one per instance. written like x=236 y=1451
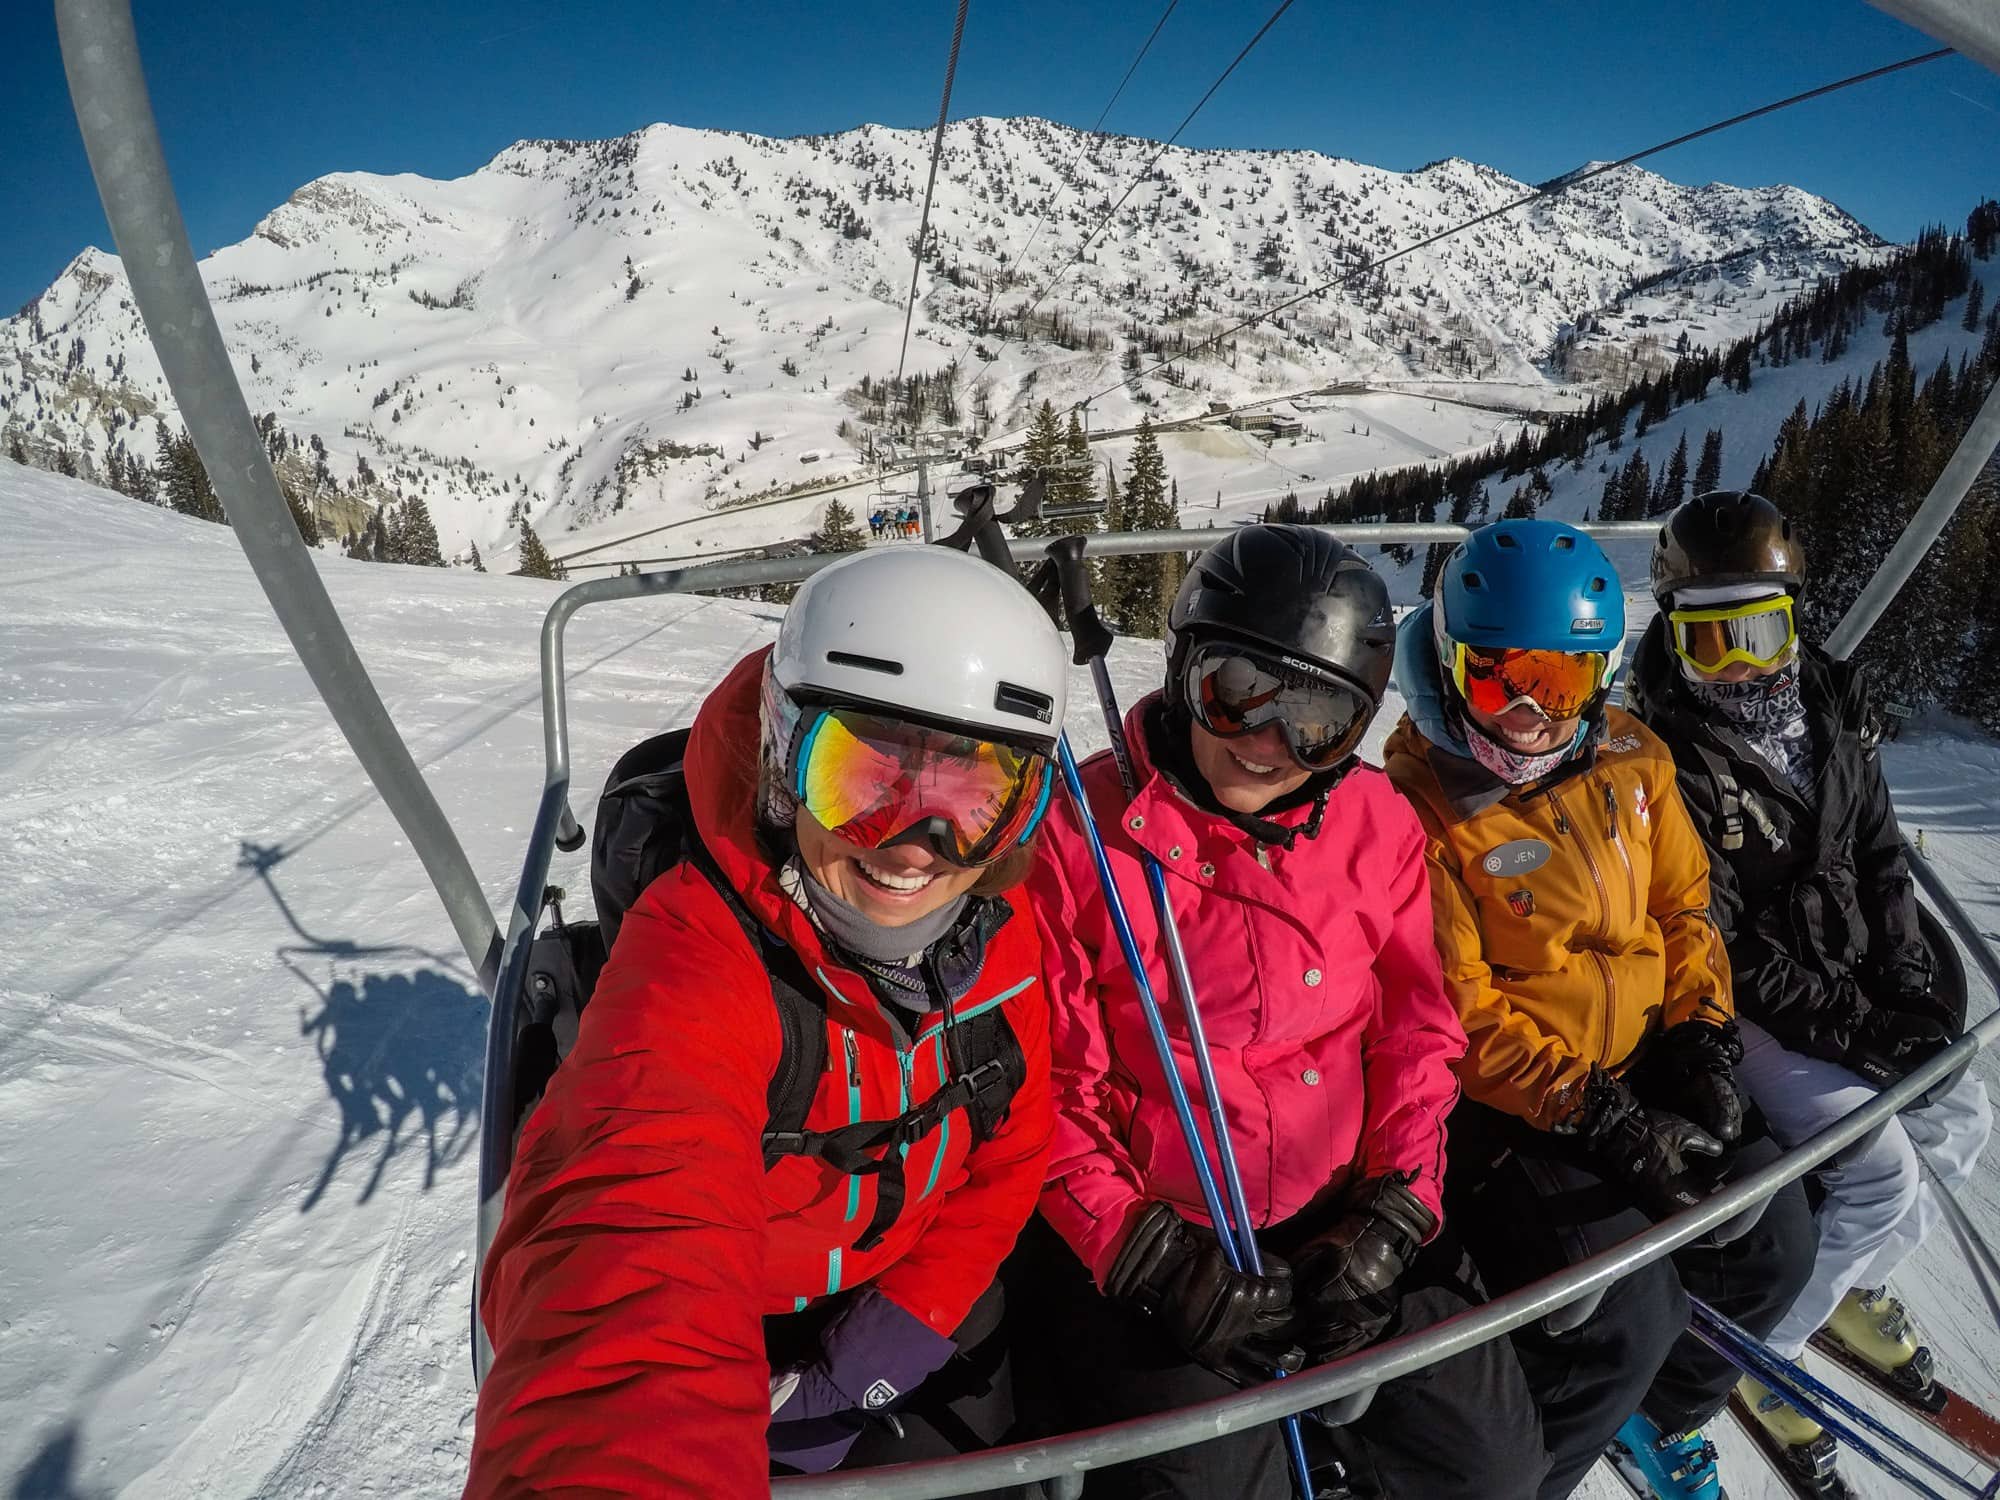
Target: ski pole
x=981 y=530
x=1093 y=640
x=1978 y=1253
x=1820 y=1401
x=1163 y=1047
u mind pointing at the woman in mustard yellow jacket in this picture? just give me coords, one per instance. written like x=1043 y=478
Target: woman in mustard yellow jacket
x=1570 y=895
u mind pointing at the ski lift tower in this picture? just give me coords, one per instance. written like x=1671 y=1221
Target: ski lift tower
x=928 y=448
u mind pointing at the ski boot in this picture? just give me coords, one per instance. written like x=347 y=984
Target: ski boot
x=1665 y=1465
x=1793 y=1439
x=1875 y=1327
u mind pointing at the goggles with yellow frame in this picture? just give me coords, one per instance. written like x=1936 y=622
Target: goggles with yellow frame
x=1760 y=633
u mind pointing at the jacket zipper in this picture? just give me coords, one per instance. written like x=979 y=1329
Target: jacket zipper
x=1618 y=843
x=1604 y=922
x=853 y=1118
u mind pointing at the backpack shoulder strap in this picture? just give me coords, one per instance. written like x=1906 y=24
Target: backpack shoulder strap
x=987 y=1054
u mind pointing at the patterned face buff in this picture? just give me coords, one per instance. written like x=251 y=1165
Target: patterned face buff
x=1562 y=684
x=1234 y=690
x=874 y=781
x=1515 y=767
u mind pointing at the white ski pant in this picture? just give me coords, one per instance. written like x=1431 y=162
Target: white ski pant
x=1878 y=1207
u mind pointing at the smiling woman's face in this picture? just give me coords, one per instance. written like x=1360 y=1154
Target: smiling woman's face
x=1249 y=772
x=1526 y=729
x=890 y=887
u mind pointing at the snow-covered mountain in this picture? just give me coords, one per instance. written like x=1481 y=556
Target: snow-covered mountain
x=674 y=320
x=240 y=1054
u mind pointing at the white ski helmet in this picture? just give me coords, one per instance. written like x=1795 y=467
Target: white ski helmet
x=932 y=633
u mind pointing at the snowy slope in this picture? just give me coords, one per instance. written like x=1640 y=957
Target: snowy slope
x=525 y=336
x=239 y=1056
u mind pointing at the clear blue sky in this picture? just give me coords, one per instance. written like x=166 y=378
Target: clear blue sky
x=256 y=99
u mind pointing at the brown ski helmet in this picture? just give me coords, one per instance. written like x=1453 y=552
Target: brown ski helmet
x=1724 y=537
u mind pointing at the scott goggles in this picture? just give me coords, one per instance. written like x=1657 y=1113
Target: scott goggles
x=875 y=781
x=1234 y=690
x=1562 y=684
x=1761 y=633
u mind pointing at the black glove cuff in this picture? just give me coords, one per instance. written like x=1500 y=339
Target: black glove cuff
x=1157 y=1245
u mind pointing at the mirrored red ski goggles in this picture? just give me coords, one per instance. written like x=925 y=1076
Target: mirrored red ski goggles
x=1562 y=684
x=875 y=781
x=1761 y=633
x=1233 y=690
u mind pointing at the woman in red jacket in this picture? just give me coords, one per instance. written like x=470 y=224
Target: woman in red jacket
x=673 y=1277
x=1297 y=877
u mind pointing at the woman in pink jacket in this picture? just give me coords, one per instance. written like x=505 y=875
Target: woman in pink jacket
x=1297 y=877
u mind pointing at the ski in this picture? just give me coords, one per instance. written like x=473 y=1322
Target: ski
x=1961 y=1420
x=1826 y=1485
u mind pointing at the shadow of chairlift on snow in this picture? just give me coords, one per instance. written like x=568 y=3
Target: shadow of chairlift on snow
x=402 y=1053
x=51 y=1473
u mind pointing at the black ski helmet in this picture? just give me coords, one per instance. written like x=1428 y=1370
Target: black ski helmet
x=1297 y=589
x=1724 y=537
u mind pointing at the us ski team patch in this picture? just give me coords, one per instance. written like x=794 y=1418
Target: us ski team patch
x=1521 y=903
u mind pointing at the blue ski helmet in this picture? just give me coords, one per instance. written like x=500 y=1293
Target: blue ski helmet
x=1534 y=586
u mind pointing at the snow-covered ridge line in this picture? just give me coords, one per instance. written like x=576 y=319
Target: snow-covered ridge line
x=501 y=343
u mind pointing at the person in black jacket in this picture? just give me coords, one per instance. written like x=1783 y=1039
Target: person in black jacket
x=1775 y=744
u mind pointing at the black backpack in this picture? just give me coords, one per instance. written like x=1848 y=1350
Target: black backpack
x=644 y=828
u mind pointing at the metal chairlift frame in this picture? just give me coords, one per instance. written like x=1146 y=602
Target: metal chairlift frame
x=114 y=112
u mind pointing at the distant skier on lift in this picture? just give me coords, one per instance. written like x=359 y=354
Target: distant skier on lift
x=807 y=1108
x=1571 y=894
x=1297 y=878
x=1835 y=993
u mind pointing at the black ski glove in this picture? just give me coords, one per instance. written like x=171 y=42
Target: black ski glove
x=1347 y=1274
x=1232 y=1322
x=1647 y=1149
x=1889 y=1044
x=1691 y=1071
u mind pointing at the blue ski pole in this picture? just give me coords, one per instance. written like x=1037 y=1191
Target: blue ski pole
x=1093 y=639
x=1820 y=1401
x=1156 y=1027
x=981 y=530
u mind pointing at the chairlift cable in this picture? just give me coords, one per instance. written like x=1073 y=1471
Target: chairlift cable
x=930 y=185
x=1555 y=187
x=1088 y=147
x=1133 y=186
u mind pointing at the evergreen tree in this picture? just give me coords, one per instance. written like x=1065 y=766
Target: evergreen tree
x=838 y=531
x=14 y=449
x=1137 y=590
x=1975 y=301
x=535 y=559
x=415 y=535
x=1073 y=485
x=1708 y=472
x=478 y=565
x=1673 y=481
x=302 y=515
x=187 y=488
x=1042 y=456
x=66 y=462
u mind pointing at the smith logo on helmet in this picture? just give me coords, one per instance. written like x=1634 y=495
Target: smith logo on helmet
x=1586 y=627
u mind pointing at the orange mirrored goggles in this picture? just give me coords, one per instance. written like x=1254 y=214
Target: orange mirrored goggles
x=1562 y=684
x=876 y=781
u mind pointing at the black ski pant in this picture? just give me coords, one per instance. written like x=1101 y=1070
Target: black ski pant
x=966 y=1406
x=1462 y=1429
x=1530 y=1203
